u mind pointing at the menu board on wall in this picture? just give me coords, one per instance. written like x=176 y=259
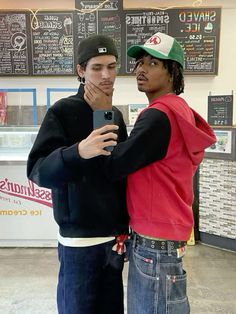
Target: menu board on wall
x=107 y=21
x=139 y=26
x=46 y=43
x=14 y=43
x=196 y=29
x=220 y=110
x=52 y=43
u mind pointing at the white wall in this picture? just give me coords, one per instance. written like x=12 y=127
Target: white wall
x=196 y=90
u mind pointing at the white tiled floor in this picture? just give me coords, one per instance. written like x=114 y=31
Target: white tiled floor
x=28 y=278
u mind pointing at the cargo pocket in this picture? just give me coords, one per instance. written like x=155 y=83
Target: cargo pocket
x=176 y=294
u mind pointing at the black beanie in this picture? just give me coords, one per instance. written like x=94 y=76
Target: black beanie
x=94 y=46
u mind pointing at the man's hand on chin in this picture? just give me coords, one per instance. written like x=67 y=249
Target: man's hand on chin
x=96 y=98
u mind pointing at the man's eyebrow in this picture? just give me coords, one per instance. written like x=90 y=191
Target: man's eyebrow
x=151 y=57
x=112 y=63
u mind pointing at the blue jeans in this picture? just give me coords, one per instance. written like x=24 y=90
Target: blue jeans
x=90 y=280
x=156 y=282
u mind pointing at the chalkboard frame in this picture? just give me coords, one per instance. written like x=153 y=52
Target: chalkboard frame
x=123 y=56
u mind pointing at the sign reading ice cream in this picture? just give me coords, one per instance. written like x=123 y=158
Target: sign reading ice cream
x=26 y=216
x=29 y=192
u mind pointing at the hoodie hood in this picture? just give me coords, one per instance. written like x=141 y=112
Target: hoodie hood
x=197 y=133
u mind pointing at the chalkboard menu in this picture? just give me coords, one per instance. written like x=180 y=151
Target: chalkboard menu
x=220 y=110
x=108 y=21
x=52 y=43
x=139 y=27
x=196 y=29
x=46 y=43
x=14 y=46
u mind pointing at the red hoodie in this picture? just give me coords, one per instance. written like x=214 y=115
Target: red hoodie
x=160 y=195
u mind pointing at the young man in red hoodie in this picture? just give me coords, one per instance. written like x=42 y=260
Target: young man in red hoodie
x=160 y=158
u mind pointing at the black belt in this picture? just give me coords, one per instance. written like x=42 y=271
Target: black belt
x=157 y=244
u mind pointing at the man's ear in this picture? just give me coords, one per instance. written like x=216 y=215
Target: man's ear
x=80 y=70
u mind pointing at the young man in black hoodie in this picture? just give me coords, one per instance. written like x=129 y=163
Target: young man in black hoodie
x=90 y=211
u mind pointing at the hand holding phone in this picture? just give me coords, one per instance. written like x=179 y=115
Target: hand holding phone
x=94 y=144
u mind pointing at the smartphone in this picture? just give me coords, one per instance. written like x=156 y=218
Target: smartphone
x=101 y=118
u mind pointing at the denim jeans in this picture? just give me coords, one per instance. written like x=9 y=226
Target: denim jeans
x=156 y=282
x=90 y=280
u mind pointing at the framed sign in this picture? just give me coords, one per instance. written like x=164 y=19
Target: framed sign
x=225 y=146
x=220 y=110
x=134 y=111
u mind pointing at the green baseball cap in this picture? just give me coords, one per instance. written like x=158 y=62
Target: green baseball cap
x=161 y=46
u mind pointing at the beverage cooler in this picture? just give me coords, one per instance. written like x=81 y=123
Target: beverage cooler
x=26 y=216
x=217 y=191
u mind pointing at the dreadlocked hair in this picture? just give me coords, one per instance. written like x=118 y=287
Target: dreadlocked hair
x=176 y=72
x=173 y=67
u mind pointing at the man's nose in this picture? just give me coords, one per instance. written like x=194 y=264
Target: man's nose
x=141 y=68
x=105 y=72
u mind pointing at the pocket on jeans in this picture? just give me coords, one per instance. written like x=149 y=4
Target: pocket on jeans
x=144 y=263
x=116 y=261
x=176 y=294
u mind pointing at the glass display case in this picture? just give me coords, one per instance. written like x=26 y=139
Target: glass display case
x=26 y=214
x=16 y=142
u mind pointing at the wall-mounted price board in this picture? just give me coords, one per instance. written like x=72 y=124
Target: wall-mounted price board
x=46 y=43
x=14 y=43
x=220 y=110
x=197 y=30
x=52 y=43
x=106 y=21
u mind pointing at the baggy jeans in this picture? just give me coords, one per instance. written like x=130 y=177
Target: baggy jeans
x=156 y=282
x=90 y=280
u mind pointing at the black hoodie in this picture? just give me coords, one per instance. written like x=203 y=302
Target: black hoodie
x=83 y=205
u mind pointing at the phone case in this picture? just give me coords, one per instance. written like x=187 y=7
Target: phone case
x=101 y=118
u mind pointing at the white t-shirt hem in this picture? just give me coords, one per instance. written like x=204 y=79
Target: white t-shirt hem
x=82 y=242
